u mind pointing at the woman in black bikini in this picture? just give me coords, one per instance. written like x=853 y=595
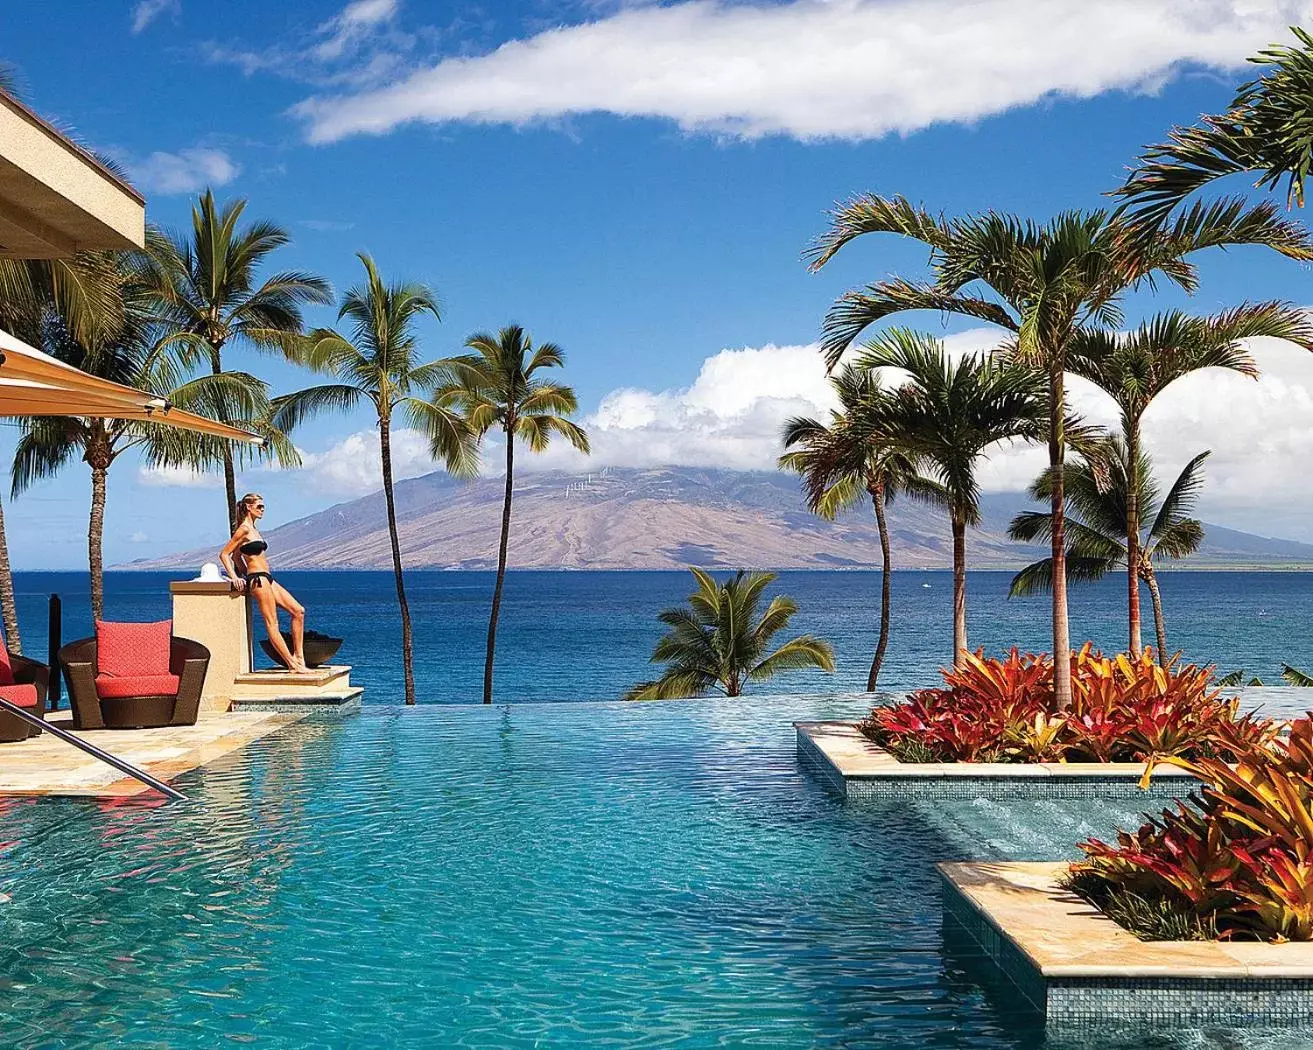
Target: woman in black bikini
x=244 y=560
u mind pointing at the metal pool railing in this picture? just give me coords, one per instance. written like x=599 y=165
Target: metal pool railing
x=95 y=752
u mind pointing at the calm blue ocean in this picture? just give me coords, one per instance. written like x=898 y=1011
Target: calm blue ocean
x=587 y=635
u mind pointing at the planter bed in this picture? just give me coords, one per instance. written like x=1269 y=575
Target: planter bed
x=1081 y=970
x=856 y=768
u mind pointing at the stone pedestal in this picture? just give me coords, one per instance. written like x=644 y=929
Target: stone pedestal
x=215 y=616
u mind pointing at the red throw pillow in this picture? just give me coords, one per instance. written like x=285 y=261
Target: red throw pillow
x=6 y=668
x=132 y=650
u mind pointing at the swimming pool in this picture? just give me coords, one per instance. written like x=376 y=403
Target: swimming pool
x=567 y=875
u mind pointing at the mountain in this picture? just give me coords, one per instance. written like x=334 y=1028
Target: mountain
x=661 y=519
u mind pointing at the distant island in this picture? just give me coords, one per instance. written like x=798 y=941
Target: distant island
x=664 y=518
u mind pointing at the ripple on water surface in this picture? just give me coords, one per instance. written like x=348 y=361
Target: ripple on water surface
x=565 y=875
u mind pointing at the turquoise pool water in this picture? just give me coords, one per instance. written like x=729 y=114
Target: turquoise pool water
x=572 y=875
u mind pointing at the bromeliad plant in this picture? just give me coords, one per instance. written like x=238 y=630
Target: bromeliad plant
x=1124 y=709
x=1236 y=859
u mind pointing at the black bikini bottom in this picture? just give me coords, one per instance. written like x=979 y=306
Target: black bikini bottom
x=253 y=579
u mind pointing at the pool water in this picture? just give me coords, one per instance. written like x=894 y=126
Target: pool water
x=559 y=875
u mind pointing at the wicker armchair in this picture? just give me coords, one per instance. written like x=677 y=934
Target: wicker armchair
x=188 y=660
x=27 y=673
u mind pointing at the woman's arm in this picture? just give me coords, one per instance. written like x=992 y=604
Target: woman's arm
x=226 y=557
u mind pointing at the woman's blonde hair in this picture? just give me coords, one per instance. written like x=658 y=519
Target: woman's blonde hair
x=244 y=504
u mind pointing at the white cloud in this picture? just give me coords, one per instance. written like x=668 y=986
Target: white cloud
x=353 y=466
x=177 y=477
x=146 y=11
x=356 y=21
x=848 y=69
x=138 y=537
x=186 y=171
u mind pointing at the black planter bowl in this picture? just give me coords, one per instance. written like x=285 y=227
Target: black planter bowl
x=319 y=648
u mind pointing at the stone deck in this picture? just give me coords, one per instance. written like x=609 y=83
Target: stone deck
x=44 y=765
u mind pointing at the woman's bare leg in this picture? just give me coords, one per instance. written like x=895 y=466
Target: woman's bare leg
x=263 y=595
x=297 y=611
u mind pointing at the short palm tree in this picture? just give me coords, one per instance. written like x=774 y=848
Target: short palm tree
x=377 y=365
x=721 y=640
x=1097 y=514
x=1135 y=367
x=127 y=355
x=1267 y=130
x=209 y=292
x=847 y=460
x=951 y=412
x=499 y=387
x=1043 y=283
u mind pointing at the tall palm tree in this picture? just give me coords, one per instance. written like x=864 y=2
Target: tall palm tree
x=1042 y=283
x=1267 y=129
x=951 y=412
x=210 y=293
x=1096 y=541
x=1135 y=367
x=720 y=640
x=848 y=459
x=499 y=386
x=377 y=365
x=127 y=355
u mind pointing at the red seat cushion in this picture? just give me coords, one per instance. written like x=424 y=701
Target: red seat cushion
x=110 y=687
x=19 y=695
x=131 y=650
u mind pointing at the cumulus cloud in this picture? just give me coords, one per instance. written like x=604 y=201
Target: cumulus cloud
x=176 y=477
x=815 y=69
x=146 y=11
x=353 y=466
x=186 y=171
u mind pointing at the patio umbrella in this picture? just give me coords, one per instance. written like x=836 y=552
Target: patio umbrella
x=35 y=384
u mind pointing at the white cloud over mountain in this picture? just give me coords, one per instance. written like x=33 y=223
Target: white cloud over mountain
x=812 y=69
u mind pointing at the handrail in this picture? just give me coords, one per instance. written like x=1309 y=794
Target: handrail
x=95 y=752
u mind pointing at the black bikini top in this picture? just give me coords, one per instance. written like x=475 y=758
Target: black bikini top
x=254 y=547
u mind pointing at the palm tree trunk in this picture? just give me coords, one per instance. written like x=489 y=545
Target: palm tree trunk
x=1159 y=624
x=1057 y=506
x=407 y=643
x=229 y=473
x=886 y=567
x=1133 y=533
x=12 y=639
x=959 y=590
x=96 y=542
x=501 y=564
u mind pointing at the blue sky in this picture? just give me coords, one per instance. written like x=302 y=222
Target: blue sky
x=636 y=183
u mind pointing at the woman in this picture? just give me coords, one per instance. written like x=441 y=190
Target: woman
x=244 y=560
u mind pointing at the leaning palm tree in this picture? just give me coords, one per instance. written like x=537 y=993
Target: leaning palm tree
x=209 y=292
x=377 y=365
x=1267 y=130
x=951 y=412
x=499 y=386
x=1135 y=367
x=848 y=459
x=1096 y=524
x=1043 y=283
x=128 y=355
x=720 y=640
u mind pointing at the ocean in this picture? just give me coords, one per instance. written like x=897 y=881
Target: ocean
x=588 y=635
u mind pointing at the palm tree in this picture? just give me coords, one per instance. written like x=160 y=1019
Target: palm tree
x=951 y=412
x=127 y=355
x=720 y=641
x=1134 y=368
x=848 y=459
x=208 y=292
x=1267 y=129
x=1043 y=283
x=1098 y=502
x=377 y=365
x=499 y=386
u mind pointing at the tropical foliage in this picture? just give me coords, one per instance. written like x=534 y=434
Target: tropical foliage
x=1097 y=501
x=853 y=457
x=377 y=365
x=721 y=640
x=1123 y=709
x=1238 y=857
